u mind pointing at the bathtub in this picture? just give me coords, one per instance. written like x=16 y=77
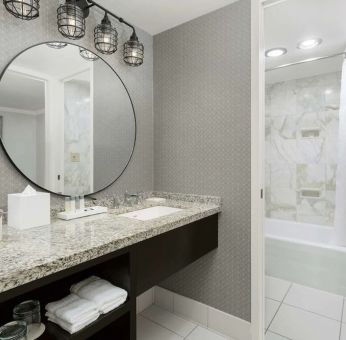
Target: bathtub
x=305 y=254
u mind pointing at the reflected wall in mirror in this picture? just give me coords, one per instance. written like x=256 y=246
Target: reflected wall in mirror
x=67 y=123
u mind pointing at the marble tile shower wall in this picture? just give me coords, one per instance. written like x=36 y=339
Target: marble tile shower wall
x=301 y=148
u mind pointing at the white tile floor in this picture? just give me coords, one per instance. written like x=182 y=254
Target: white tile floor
x=293 y=312
x=155 y=323
x=297 y=312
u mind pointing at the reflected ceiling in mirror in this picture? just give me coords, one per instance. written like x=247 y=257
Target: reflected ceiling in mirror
x=67 y=121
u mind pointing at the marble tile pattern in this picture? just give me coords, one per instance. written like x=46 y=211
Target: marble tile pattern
x=35 y=253
x=77 y=137
x=302 y=118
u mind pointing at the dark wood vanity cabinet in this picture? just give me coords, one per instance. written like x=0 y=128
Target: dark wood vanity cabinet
x=159 y=257
x=135 y=268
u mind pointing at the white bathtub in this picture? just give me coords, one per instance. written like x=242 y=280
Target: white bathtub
x=304 y=253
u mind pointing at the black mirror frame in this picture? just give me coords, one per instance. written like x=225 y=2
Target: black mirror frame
x=132 y=105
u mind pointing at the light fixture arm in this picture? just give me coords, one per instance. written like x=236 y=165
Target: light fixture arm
x=92 y=3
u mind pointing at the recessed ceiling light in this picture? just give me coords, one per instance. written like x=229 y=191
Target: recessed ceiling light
x=276 y=52
x=309 y=43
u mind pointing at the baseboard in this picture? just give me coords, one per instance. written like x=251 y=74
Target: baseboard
x=145 y=300
x=227 y=324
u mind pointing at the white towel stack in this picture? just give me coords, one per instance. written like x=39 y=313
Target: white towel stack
x=88 y=299
x=72 y=313
x=106 y=296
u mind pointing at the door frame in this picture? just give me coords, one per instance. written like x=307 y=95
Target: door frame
x=257 y=166
x=257 y=169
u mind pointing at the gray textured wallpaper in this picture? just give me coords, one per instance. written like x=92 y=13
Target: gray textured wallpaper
x=202 y=143
x=17 y=35
x=202 y=132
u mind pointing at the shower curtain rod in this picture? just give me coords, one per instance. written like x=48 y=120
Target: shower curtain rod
x=306 y=61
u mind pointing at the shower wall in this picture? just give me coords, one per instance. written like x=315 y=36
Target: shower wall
x=301 y=148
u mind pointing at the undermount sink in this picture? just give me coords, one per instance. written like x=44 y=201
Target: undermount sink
x=151 y=213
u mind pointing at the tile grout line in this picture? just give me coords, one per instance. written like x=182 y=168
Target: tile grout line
x=156 y=323
x=190 y=332
x=268 y=298
x=309 y=311
x=183 y=338
x=191 y=321
x=214 y=330
x=342 y=315
x=281 y=303
x=182 y=316
x=283 y=336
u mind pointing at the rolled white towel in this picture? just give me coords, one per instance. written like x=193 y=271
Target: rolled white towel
x=101 y=292
x=72 y=328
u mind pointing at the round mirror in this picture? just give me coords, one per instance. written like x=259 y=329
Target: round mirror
x=66 y=119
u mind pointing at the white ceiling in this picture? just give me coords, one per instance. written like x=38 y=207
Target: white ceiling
x=22 y=88
x=57 y=63
x=21 y=93
x=156 y=16
x=291 y=21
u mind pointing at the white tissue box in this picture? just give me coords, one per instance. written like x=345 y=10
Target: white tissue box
x=28 y=210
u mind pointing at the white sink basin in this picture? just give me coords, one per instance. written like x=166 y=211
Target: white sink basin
x=151 y=213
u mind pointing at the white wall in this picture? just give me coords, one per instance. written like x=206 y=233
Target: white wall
x=19 y=138
x=40 y=148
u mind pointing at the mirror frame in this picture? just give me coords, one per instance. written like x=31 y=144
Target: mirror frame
x=132 y=105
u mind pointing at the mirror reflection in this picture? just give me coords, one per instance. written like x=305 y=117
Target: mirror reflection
x=66 y=119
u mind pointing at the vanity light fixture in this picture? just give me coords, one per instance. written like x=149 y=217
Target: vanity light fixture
x=71 y=19
x=275 y=52
x=106 y=36
x=87 y=55
x=56 y=45
x=309 y=43
x=133 y=51
x=71 y=24
x=23 y=9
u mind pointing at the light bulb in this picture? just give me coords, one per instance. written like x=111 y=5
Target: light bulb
x=309 y=43
x=275 y=52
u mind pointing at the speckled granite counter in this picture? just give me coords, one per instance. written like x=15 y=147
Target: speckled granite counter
x=29 y=255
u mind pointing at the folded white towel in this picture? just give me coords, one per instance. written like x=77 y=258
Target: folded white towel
x=72 y=309
x=105 y=295
x=52 y=307
x=77 y=310
x=112 y=305
x=72 y=328
x=77 y=286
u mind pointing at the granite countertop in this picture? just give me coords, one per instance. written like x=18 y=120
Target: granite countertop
x=29 y=255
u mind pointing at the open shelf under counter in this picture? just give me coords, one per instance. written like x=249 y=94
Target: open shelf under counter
x=55 y=332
